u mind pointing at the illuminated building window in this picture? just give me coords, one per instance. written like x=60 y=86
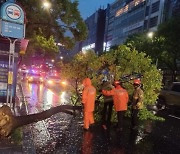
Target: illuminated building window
x=88 y=47
x=127 y=7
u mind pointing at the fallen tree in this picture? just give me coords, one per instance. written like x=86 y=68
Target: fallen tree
x=9 y=122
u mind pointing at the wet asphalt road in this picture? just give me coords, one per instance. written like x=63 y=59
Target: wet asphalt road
x=164 y=139
x=63 y=134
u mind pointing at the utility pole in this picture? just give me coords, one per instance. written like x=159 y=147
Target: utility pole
x=10 y=72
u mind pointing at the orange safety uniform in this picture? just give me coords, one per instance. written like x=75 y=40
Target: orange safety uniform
x=88 y=99
x=120 y=97
x=138 y=97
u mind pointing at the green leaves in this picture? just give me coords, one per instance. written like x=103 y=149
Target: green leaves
x=144 y=114
x=119 y=62
x=82 y=65
x=61 y=22
x=163 y=48
x=47 y=48
x=126 y=60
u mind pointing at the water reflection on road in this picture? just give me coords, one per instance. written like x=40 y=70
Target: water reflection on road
x=45 y=133
x=63 y=133
x=44 y=98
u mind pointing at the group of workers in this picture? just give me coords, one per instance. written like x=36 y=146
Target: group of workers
x=113 y=95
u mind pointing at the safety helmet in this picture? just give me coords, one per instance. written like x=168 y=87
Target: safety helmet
x=116 y=82
x=137 y=81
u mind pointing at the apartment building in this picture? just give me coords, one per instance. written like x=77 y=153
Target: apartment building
x=112 y=26
x=126 y=17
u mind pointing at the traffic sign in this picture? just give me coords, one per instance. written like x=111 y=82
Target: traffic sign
x=12 y=12
x=13 y=30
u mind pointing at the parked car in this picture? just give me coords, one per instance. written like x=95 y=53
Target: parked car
x=170 y=96
x=34 y=77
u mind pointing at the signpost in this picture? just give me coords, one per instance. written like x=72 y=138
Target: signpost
x=12 y=27
x=12 y=30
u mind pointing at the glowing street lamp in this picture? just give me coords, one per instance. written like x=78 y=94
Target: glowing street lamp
x=150 y=34
x=52 y=60
x=46 y=4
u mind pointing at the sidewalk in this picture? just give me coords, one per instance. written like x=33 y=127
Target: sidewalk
x=7 y=145
x=27 y=142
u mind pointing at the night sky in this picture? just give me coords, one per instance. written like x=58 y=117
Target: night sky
x=88 y=7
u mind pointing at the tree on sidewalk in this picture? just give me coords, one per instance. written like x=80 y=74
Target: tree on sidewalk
x=170 y=32
x=163 y=47
x=61 y=21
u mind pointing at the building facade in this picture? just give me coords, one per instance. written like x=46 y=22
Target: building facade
x=126 y=17
x=96 y=25
x=111 y=26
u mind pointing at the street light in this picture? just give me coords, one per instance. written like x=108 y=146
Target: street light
x=61 y=57
x=46 y=4
x=150 y=34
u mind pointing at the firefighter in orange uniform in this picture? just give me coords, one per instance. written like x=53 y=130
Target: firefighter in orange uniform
x=137 y=103
x=88 y=100
x=120 y=100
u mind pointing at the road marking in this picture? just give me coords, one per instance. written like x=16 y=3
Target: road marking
x=174 y=116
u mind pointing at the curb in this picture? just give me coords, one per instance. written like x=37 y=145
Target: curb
x=27 y=142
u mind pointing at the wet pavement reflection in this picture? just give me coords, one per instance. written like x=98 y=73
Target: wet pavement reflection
x=63 y=133
x=87 y=143
x=44 y=98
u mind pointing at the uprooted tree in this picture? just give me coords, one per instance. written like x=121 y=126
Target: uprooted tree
x=9 y=122
x=123 y=61
x=118 y=63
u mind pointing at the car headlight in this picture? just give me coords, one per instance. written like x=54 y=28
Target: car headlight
x=30 y=78
x=50 y=82
x=64 y=83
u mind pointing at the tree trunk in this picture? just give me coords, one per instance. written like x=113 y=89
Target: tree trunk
x=9 y=122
